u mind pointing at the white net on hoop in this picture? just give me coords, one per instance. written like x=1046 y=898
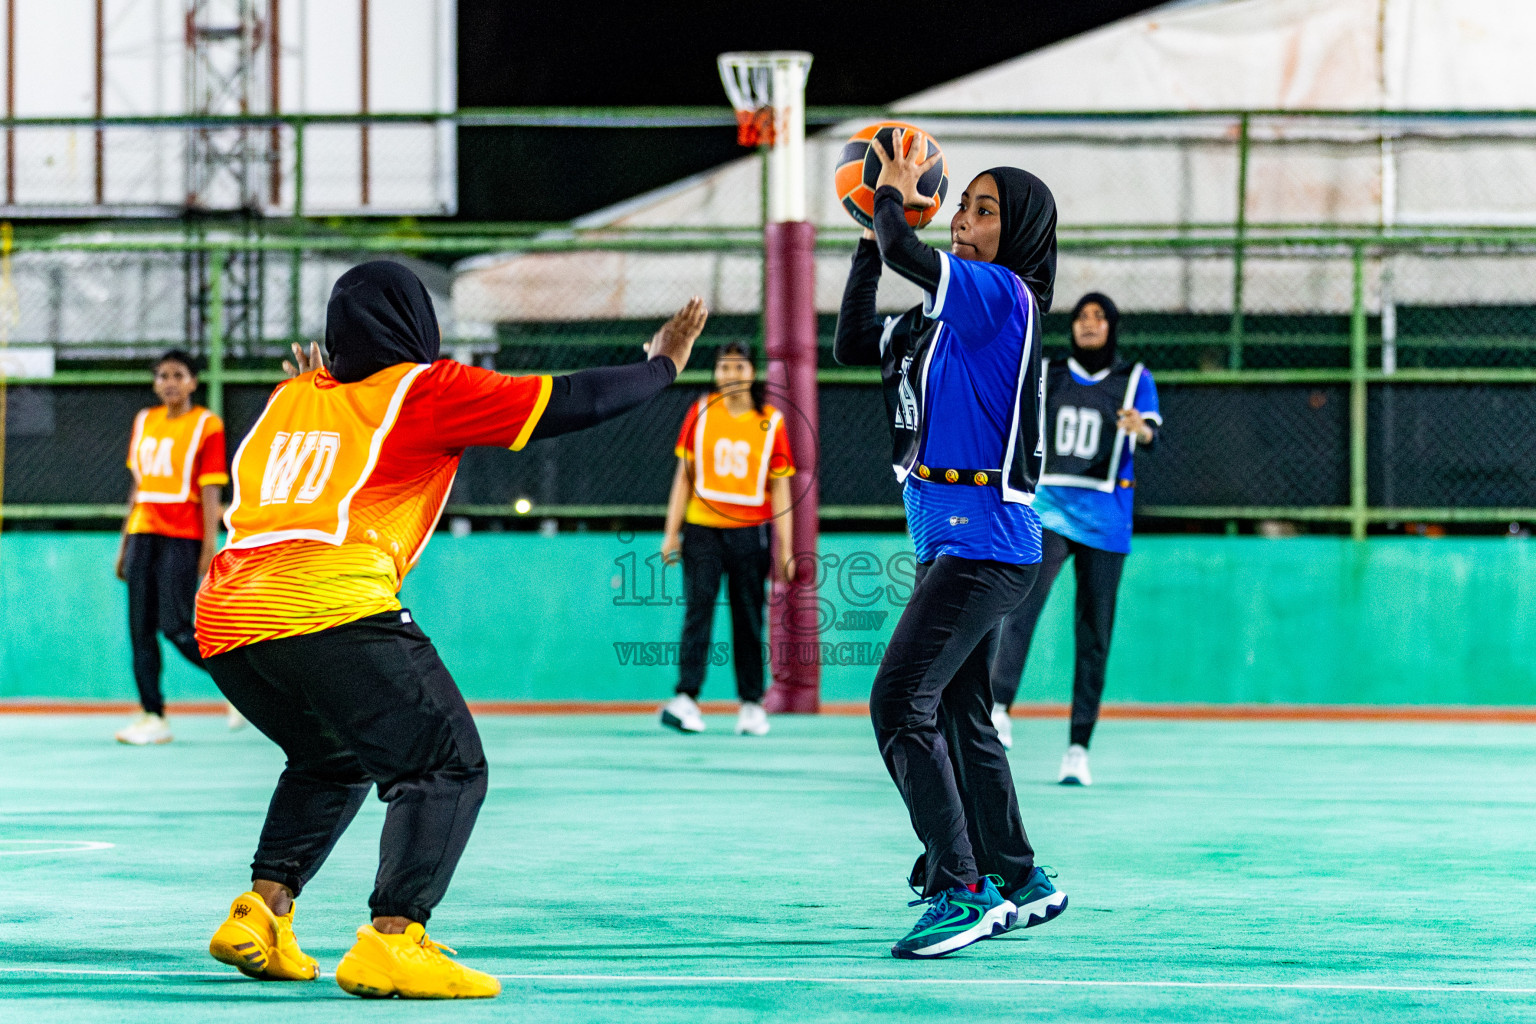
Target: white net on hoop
x=754 y=82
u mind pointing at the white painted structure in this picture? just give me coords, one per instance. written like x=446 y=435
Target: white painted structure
x=1462 y=56
x=774 y=81
x=133 y=304
x=332 y=57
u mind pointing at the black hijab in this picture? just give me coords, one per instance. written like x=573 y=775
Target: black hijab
x=1095 y=359
x=379 y=315
x=1028 y=243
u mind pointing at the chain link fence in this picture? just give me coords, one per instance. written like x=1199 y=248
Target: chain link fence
x=1331 y=340
x=1325 y=399
x=298 y=166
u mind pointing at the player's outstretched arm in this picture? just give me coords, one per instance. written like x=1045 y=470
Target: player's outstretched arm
x=900 y=247
x=857 y=341
x=675 y=338
x=588 y=397
x=677 y=507
x=122 y=544
x=895 y=193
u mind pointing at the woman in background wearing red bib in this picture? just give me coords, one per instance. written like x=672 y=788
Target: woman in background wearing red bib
x=733 y=470
x=176 y=457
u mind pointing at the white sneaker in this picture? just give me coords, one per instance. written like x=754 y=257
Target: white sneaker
x=1074 y=767
x=682 y=714
x=752 y=720
x=1003 y=724
x=144 y=730
x=234 y=719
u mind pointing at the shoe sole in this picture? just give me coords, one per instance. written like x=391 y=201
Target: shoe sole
x=1041 y=911
x=243 y=951
x=246 y=953
x=143 y=743
x=359 y=980
x=994 y=922
x=671 y=721
x=367 y=983
x=1071 y=780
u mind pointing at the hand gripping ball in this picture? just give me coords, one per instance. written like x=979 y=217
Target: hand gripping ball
x=858 y=168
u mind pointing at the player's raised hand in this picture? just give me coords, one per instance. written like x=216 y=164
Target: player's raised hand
x=676 y=337
x=303 y=362
x=903 y=170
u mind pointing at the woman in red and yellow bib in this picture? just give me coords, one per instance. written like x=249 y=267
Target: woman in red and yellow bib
x=337 y=489
x=176 y=457
x=732 y=480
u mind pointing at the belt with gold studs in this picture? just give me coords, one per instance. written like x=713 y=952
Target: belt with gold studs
x=972 y=477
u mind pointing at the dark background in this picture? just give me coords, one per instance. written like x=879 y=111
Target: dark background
x=549 y=53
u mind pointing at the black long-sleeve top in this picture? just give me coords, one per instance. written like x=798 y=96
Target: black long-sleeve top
x=588 y=397
x=859 y=326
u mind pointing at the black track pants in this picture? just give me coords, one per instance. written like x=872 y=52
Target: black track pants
x=1098 y=583
x=367 y=702
x=740 y=554
x=931 y=705
x=162 y=589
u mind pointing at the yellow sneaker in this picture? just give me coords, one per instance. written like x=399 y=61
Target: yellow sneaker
x=410 y=966
x=260 y=943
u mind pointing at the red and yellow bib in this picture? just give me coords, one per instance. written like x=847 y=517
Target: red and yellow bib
x=311 y=451
x=164 y=456
x=338 y=489
x=307 y=551
x=731 y=460
x=732 y=454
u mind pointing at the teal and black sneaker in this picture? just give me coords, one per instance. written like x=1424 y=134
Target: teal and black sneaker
x=955 y=918
x=1037 y=900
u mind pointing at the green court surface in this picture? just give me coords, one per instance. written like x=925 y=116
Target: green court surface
x=1217 y=871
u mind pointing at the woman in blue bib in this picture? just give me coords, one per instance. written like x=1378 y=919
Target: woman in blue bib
x=961 y=376
x=1098 y=410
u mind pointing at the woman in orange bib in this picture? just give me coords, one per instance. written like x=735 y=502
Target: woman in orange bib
x=337 y=489
x=732 y=480
x=176 y=457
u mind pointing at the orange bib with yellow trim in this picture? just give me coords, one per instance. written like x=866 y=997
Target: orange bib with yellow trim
x=311 y=451
x=163 y=454
x=732 y=455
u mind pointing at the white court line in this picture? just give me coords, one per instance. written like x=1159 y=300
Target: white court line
x=1299 y=986
x=741 y=979
x=51 y=846
x=92 y=972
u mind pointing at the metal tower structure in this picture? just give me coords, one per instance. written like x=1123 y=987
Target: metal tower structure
x=227 y=167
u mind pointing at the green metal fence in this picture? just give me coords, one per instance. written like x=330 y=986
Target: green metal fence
x=1306 y=347
x=1305 y=281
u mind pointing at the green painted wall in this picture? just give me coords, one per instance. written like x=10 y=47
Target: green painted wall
x=1204 y=619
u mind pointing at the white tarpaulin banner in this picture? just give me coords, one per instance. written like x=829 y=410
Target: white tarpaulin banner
x=1460 y=56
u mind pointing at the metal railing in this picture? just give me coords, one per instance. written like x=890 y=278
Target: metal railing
x=1260 y=322
x=1356 y=373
